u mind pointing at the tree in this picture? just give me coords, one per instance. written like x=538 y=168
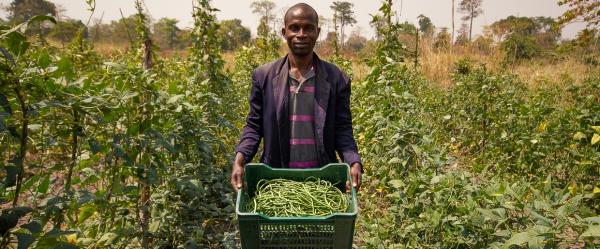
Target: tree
x=165 y=33
x=265 y=9
x=345 y=16
x=426 y=26
x=580 y=10
x=23 y=10
x=520 y=47
x=233 y=34
x=356 y=42
x=263 y=28
x=65 y=31
x=472 y=9
x=463 y=35
x=442 y=40
x=540 y=28
x=121 y=31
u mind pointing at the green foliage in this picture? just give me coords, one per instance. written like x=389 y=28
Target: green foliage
x=587 y=11
x=540 y=28
x=518 y=47
x=233 y=34
x=426 y=26
x=166 y=33
x=65 y=31
x=488 y=163
x=120 y=31
x=265 y=9
x=389 y=47
x=109 y=129
x=134 y=151
x=344 y=16
x=22 y=10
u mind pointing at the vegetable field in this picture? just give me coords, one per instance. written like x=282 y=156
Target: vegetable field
x=134 y=150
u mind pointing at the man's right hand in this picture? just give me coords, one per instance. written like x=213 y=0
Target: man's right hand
x=237 y=173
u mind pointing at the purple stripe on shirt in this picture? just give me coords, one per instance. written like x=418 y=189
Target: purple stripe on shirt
x=302 y=118
x=308 y=89
x=304 y=89
x=302 y=141
x=303 y=164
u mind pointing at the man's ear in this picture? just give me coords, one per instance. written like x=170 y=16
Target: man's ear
x=283 y=32
x=318 y=31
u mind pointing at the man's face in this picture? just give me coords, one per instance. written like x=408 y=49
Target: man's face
x=301 y=32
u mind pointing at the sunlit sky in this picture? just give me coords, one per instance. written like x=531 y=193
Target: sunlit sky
x=438 y=10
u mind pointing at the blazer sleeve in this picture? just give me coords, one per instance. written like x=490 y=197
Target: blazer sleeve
x=253 y=129
x=344 y=139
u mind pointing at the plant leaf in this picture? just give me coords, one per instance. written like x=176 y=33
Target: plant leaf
x=44 y=185
x=518 y=239
x=24 y=240
x=593 y=231
x=595 y=139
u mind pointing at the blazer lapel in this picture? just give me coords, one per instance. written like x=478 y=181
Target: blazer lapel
x=321 y=102
x=281 y=92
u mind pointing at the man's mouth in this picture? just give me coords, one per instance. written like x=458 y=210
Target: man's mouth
x=301 y=45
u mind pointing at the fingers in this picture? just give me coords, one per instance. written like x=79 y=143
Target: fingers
x=355 y=181
x=237 y=175
x=238 y=183
x=233 y=181
x=356 y=177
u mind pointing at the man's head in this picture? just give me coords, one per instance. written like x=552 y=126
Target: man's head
x=301 y=29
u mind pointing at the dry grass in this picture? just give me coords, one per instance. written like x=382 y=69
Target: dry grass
x=437 y=66
x=229 y=58
x=536 y=73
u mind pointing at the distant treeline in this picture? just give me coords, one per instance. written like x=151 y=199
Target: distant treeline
x=519 y=37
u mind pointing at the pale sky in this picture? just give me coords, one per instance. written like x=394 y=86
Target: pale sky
x=438 y=10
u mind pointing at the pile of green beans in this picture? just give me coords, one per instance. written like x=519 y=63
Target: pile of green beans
x=287 y=198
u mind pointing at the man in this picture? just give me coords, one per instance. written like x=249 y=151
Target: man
x=300 y=105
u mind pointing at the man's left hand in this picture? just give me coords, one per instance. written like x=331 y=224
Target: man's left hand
x=356 y=174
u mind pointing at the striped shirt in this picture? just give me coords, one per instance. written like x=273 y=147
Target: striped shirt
x=303 y=148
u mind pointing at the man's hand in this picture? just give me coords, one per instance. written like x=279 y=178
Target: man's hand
x=237 y=173
x=356 y=174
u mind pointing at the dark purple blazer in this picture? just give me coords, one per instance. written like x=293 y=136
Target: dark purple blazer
x=268 y=118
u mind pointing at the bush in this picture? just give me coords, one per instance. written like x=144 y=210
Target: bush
x=519 y=47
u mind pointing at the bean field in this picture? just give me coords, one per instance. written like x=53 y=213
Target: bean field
x=134 y=150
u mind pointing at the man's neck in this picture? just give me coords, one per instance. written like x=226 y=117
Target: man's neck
x=300 y=65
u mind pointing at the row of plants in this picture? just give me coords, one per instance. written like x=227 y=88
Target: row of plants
x=488 y=163
x=123 y=152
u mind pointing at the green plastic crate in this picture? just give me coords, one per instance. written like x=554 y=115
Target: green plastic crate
x=334 y=231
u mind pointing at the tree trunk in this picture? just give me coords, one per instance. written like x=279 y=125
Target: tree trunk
x=417 y=49
x=452 y=39
x=23 y=143
x=145 y=193
x=342 y=34
x=471 y=25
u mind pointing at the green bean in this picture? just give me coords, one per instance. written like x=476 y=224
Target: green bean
x=286 y=198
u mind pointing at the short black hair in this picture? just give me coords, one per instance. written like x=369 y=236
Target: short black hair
x=300 y=6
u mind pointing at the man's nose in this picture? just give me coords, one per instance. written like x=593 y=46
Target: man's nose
x=302 y=33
